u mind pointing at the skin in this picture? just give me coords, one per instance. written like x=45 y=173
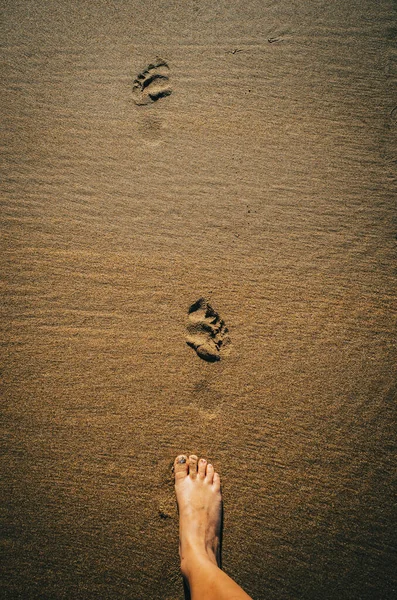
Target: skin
x=198 y=494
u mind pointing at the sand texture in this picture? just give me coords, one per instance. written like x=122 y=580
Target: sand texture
x=238 y=155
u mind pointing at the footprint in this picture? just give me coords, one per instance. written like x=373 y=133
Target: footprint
x=207 y=332
x=152 y=83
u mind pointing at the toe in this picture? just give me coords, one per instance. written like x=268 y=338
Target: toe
x=217 y=481
x=193 y=466
x=210 y=474
x=180 y=467
x=202 y=467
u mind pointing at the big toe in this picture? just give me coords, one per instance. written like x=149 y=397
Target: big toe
x=180 y=467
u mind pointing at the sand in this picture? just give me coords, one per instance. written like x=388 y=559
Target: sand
x=255 y=169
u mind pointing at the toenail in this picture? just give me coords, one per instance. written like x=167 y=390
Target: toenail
x=181 y=460
x=202 y=460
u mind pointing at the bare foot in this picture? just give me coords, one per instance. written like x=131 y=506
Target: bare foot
x=198 y=494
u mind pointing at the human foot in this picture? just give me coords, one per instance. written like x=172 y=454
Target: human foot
x=198 y=494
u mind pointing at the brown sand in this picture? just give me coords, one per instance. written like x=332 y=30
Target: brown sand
x=263 y=183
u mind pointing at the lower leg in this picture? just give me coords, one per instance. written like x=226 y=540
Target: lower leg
x=206 y=581
x=199 y=500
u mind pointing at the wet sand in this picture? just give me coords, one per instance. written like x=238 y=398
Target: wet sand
x=264 y=183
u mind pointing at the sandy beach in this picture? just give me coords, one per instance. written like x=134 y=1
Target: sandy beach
x=164 y=155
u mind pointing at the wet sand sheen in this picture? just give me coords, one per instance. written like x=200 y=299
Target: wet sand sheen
x=263 y=184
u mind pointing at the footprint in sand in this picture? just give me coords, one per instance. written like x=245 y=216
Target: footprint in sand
x=152 y=83
x=207 y=332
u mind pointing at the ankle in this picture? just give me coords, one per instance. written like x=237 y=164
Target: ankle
x=191 y=558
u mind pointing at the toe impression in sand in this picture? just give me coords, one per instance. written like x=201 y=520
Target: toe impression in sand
x=152 y=83
x=207 y=332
